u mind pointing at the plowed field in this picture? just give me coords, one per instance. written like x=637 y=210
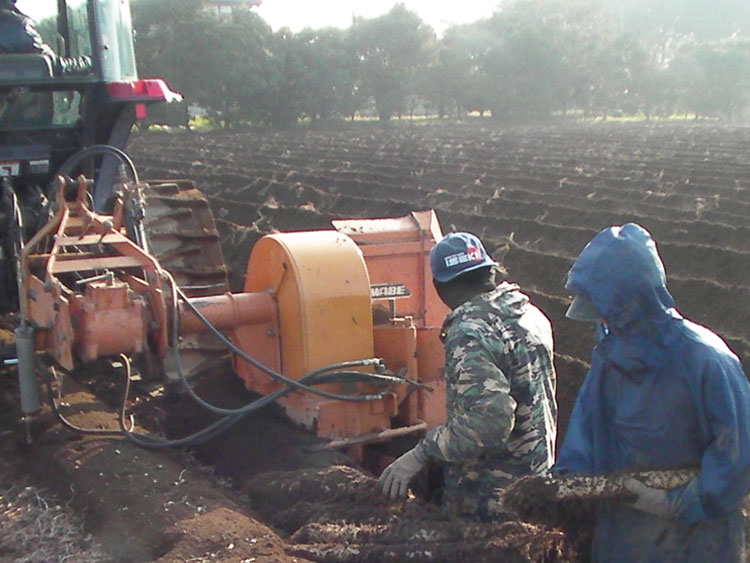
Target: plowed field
x=534 y=195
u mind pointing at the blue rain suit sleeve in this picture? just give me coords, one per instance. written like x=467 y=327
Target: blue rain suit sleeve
x=585 y=447
x=576 y=454
x=723 y=396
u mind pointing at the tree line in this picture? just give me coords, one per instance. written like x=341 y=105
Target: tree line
x=530 y=60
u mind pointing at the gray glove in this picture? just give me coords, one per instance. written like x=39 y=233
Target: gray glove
x=653 y=501
x=395 y=479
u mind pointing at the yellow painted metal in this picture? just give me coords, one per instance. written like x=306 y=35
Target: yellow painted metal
x=322 y=288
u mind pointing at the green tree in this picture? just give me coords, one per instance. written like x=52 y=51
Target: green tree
x=220 y=65
x=286 y=80
x=232 y=74
x=393 y=50
x=714 y=77
x=523 y=68
x=704 y=20
x=555 y=55
x=452 y=81
x=328 y=73
x=159 y=29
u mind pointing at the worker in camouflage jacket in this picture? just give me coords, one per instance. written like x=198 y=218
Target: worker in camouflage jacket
x=501 y=407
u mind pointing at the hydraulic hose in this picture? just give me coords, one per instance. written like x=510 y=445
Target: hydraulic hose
x=327 y=374
x=105 y=180
x=93 y=431
x=340 y=372
x=217 y=427
x=75 y=159
x=297 y=383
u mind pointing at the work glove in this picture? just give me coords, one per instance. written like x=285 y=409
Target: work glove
x=395 y=479
x=651 y=500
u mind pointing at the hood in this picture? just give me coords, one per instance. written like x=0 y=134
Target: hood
x=621 y=273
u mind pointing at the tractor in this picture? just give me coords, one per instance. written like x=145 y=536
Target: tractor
x=66 y=125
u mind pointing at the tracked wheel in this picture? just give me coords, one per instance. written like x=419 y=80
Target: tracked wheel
x=181 y=234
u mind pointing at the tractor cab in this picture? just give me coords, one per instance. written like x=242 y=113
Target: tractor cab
x=45 y=117
x=53 y=123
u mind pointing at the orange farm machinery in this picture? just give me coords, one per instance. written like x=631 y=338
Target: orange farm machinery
x=340 y=326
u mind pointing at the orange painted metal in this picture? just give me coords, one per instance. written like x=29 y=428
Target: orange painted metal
x=252 y=318
x=397 y=344
x=430 y=354
x=337 y=419
x=396 y=251
x=230 y=310
x=261 y=342
x=321 y=288
x=111 y=319
x=326 y=285
x=70 y=295
x=311 y=299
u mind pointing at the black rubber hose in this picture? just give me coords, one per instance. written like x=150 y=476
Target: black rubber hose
x=326 y=374
x=75 y=159
x=212 y=430
x=297 y=383
x=93 y=431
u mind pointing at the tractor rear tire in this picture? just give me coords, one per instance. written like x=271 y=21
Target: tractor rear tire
x=181 y=234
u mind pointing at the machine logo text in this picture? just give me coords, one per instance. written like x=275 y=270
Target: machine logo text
x=389 y=291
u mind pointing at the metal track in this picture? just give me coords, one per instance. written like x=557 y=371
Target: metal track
x=181 y=234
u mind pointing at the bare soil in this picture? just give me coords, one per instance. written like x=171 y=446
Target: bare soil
x=536 y=195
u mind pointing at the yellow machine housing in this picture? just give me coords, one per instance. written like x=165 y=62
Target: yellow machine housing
x=321 y=288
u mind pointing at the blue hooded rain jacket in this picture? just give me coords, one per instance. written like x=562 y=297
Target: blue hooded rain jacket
x=661 y=392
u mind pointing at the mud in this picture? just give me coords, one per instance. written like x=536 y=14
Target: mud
x=327 y=509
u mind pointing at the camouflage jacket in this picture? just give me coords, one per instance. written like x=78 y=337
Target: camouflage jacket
x=501 y=406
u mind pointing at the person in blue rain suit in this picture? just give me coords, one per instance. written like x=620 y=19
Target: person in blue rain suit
x=661 y=392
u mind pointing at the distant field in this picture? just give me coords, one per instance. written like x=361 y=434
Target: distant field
x=536 y=195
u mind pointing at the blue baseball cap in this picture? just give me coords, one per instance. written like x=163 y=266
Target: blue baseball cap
x=456 y=254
